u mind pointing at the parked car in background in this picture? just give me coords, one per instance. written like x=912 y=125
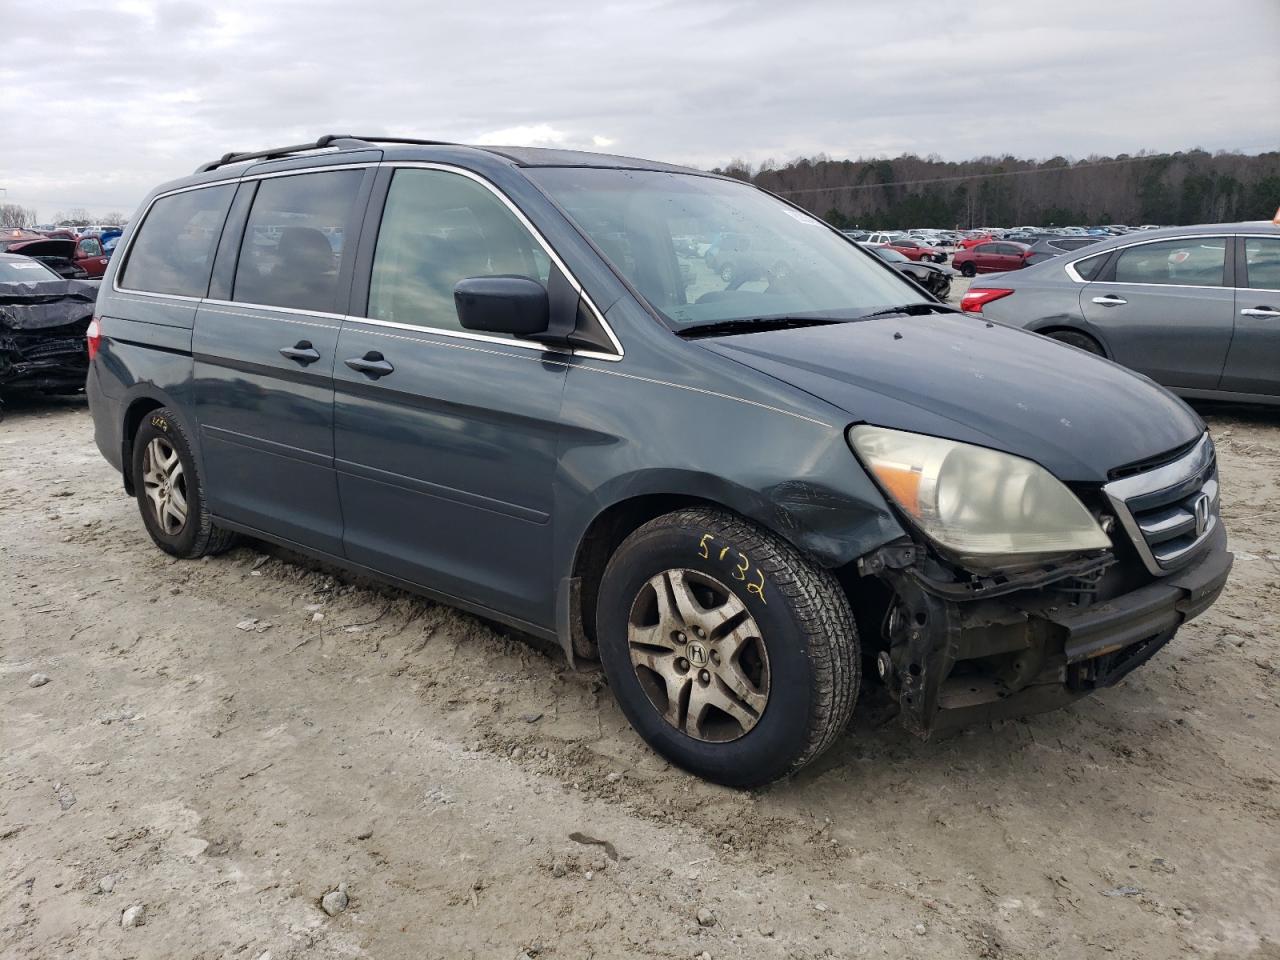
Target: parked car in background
x=71 y=259
x=732 y=495
x=1047 y=246
x=1194 y=308
x=881 y=239
x=934 y=277
x=43 y=319
x=995 y=256
x=917 y=250
x=970 y=241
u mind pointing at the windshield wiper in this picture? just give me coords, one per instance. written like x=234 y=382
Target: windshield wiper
x=753 y=325
x=911 y=309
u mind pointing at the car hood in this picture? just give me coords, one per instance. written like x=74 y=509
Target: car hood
x=961 y=377
x=50 y=247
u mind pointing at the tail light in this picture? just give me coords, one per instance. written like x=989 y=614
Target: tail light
x=975 y=300
x=93 y=337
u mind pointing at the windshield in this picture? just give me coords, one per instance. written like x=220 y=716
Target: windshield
x=25 y=270
x=703 y=250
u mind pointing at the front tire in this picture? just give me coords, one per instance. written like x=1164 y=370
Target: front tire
x=730 y=653
x=969 y=270
x=166 y=482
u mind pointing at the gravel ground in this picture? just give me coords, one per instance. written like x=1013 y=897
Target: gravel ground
x=224 y=743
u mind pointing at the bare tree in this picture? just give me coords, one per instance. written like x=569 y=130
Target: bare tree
x=113 y=219
x=13 y=215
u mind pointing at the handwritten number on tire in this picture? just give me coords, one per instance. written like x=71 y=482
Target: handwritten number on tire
x=753 y=577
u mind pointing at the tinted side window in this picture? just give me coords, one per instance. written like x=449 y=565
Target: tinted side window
x=1197 y=261
x=1262 y=254
x=173 y=251
x=987 y=248
x=1088 y=269
x=438 y=228
x=293 y=240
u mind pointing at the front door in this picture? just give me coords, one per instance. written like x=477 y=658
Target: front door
x=1253 y=362
x=445 y=439
x=1165 y=310
x=264 y=351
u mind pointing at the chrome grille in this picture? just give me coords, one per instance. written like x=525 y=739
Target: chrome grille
x=1170 y=511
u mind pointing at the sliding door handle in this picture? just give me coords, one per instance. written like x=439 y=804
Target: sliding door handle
x=302 y=351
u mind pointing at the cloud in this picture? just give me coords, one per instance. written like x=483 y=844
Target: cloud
x=97 y=117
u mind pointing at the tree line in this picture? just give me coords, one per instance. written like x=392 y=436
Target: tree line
x=910 y=191
x=16 y=215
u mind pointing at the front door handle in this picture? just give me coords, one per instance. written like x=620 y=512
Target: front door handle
x=372 y=365
x=302 y=351
x=1110 y=300
x=1260 y=312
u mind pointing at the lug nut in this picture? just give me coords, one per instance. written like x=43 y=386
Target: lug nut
x=682 y=663
x=704 y=677
x=715 y=658
x=697 y=632
x=680 y=637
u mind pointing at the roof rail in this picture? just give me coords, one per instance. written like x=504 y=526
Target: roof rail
x=338 y=140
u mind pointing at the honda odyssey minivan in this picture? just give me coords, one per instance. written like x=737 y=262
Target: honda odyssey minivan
x=497 y=378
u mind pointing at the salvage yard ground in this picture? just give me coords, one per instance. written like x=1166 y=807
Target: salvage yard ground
x=229 y=740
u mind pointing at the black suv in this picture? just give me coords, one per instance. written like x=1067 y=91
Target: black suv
x=509 y=379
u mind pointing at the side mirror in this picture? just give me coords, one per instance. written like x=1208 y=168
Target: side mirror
x=514 y=305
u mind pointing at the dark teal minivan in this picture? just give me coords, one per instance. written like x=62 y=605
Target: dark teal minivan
x=538 y=385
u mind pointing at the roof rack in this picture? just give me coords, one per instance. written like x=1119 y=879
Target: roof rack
x=338 y=140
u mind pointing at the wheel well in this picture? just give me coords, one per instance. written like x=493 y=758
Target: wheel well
x=132 y=421
x=1049 y=331
x=604 y=536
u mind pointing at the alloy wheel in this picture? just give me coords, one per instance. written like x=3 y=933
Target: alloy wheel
x=165 y=485
x=699 y=655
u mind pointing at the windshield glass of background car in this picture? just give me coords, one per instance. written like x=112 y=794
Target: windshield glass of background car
x=25 y=270
x=702 y=250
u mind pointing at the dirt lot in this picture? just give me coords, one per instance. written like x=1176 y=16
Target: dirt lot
x=228 y=778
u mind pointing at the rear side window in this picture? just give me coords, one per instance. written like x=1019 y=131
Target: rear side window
x=173 y=251
x=1089 y=268
x=439 y=228
x=1195 y=261
x=1262 y=254
x=293 y=241
x=987 y=248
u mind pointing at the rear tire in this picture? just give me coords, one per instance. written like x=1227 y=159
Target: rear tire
x=166 y=482
x=745 y=666
x=1075 y=338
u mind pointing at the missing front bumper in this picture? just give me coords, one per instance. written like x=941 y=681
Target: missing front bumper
x=956 y=663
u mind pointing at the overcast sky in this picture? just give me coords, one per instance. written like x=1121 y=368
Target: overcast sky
x=100 y=104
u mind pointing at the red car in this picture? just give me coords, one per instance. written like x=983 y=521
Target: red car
x=915 y=250
x=996 y=256
x=968 y=243
x=73 y=259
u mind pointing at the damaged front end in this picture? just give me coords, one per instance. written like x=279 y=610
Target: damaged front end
x=42 y=334
x=955 y=647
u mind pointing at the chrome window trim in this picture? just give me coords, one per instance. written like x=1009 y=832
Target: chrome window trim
x=461 y=335
x=542 y=242
x=266 y=306
x=395 y=164
x=1070 y=268
x=1258 y=236
x=142 y=218
x=1119 y=492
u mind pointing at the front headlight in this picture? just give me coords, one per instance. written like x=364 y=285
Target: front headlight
x=991 y=510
